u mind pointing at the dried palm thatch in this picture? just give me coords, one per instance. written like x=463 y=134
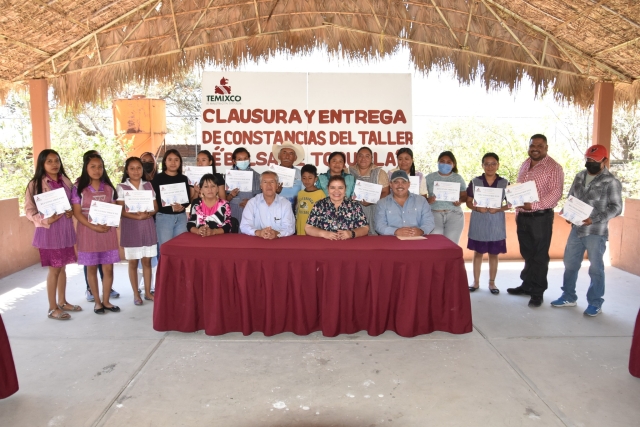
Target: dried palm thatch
x=89 y=49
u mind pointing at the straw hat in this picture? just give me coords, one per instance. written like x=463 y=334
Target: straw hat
x=288 y=144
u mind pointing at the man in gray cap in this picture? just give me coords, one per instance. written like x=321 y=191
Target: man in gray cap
x=402 y=213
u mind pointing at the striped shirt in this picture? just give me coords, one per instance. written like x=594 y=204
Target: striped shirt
x=549 y=178
x=604 y=193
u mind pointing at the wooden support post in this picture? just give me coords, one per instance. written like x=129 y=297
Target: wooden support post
x=39 y=102
x=603 y=115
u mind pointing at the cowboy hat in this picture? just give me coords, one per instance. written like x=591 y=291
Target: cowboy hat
x=275 y=149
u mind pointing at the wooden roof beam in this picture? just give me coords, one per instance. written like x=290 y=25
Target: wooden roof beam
x=175 y=24
x=616 y=47
x=255 y=5
x=7 y=39
x=564 y=46
x=204 y=11
x=133 y=31
x=466 y=37
x=446 y=22
x=62 y=14
x=506 y=27
x=82 y=40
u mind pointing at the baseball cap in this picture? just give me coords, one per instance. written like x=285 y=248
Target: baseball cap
x=597 y=153
x=399 y=174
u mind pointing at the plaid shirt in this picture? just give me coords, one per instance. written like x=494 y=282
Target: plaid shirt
x=604 y=193
x=549 y=179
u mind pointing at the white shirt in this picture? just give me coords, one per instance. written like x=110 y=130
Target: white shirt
x=258 y=215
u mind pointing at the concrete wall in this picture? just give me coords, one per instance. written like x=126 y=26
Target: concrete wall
x=16 y=235
x=624 y=238
x=561 y=232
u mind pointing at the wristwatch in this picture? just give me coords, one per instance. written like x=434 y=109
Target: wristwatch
x=353 y=234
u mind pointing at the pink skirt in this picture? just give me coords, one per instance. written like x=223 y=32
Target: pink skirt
x=57 y=258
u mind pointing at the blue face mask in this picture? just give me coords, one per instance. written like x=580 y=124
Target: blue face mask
x=445 y=168
x=242 y=164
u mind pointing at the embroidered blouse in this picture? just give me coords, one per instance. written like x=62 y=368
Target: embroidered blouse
x=216 y=216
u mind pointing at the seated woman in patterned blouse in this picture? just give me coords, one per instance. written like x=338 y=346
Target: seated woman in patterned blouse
x=210 y=215
x=337 y=217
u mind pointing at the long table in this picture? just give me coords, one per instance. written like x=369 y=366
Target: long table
x=302 y=284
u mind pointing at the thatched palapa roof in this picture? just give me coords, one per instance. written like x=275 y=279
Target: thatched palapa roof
x=88 y=49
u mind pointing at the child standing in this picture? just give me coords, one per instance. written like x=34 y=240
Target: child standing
x=97 y=244
x=54 y=236
x=307 y=197
x=138 y=230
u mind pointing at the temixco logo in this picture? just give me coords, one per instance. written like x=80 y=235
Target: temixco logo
x=222 y=94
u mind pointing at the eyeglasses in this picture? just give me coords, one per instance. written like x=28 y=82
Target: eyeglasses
x=490 y=165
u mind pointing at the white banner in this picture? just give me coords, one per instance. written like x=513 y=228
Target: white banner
x=322 y=112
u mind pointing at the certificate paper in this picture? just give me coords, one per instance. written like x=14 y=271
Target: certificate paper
x=286 y=176
x=446 y=191
x=52 y=202
x=242 y=180
x=519 y=194
x=138 y=201
x=194 y=173
x=576 y=211
x=415 y=185
x=487 y=197
x=174 y=193
x=101 y=213
x=367 y=192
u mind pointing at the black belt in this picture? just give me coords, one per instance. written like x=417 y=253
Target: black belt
x=536 y=213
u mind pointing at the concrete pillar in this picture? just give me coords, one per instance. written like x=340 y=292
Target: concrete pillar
x=39 y=100
x=603 y=114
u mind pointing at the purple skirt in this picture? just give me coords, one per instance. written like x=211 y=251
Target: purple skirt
x=95 y=258
x=493 y=248
x=57 y=258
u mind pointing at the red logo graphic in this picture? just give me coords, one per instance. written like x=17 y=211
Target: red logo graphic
x=223 y=88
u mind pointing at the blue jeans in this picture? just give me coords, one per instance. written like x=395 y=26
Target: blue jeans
x=573 y=255
x=169 y=226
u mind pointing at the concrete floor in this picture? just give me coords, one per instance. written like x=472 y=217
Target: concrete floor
x=519 y=367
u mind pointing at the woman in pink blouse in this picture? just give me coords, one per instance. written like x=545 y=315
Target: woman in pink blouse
x=210 y=215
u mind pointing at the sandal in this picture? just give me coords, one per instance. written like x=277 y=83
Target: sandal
x=138 y=301
x=113 y=308
x=73 y=307
x=493 y=290
x=98 y=310
x=60 y=316
x=148 y=298
x=473 y=288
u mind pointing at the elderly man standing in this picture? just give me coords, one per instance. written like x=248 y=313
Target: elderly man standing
x=268 y=215
x=290 y=154
x=597 y=187
x=535 y=220
x=402 y=213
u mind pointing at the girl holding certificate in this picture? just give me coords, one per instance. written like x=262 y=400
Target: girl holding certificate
x=138 y=231
x=171 y=219
x=54 y=236
x=487 y=229
x=205 y=158
x=97 y=244
x=447 y=213
x=405 y=163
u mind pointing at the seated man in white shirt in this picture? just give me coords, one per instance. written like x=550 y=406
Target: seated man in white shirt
x=268 y=215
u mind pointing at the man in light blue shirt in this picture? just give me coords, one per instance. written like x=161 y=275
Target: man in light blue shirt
x=290 y=154
x=402 y=213
x=268 y=215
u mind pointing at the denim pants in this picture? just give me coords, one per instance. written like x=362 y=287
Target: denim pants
x=449 y=224
x=169 y=226
x=573 y=255
x=534 y=238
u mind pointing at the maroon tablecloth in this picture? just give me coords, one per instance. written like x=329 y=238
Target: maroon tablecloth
x=634 y=358
x=8 y=377
x=302 y=284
